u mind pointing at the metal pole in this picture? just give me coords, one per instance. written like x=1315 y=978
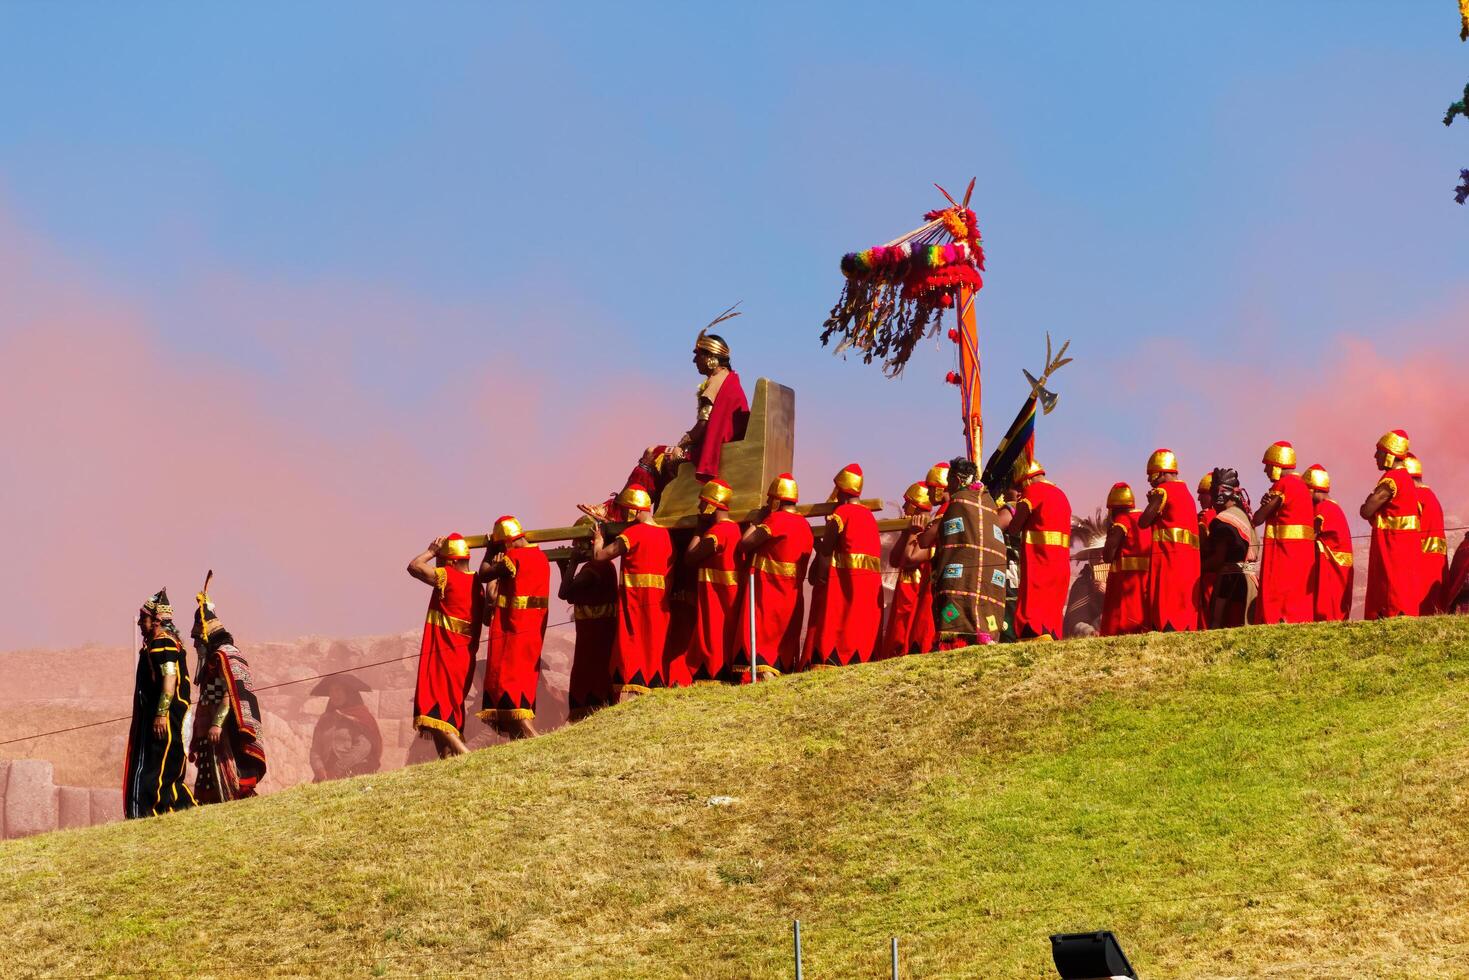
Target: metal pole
x=797 y=930
x=895 y=958
x=755 y=677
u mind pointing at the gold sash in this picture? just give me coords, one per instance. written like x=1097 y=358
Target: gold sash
x=1408 y=522
x=866 y=563
x=1290 y=532
x=1176 y=535
x=1053 y=539
x=445 y=621
x=781 y=569
x=719 y=576
x=633 y=581
x=522 y=602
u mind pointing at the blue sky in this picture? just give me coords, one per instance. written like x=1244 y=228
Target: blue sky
x=569 y=191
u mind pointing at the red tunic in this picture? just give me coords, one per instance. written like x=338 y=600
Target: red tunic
x=1173 y=566
x=910 y=622
x=716 y=596
x=681 y=615
x=1045 y=562
x=642 y=608
x=1332 y=594
x=852 y=617
x=1288 y=556
x=1395 y=565
x=779 y=569
x=593 y=597
x=1124 y=610
x=1435 y=552
x=517 y=633
x=446 y=658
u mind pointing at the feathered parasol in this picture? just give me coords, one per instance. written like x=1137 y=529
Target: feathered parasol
x=895 y=293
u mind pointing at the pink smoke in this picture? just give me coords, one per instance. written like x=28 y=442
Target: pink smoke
x=130 y=466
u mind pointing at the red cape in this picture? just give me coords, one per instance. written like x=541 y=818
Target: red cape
x=727 y=422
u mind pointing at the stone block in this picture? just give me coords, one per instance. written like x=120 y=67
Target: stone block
x=106 y=805
x=74 y=807
x=30 y=798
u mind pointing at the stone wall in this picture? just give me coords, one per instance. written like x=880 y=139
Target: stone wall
x=32 y=803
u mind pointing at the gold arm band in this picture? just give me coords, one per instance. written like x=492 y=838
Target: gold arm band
x=445 y=621
x=1408 y=522
x=719 y=576
x=634 y=581
x=522 y=602
x=1176 y=535
x=1435 y=546
x=1290 y=532
x=781 y=569
x=1052 y=539
x=865 y=563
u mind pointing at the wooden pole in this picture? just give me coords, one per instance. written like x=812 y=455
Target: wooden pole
x=969 y=385
x=688 y=522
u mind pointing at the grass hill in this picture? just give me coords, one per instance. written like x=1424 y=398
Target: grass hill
x=1288 y=801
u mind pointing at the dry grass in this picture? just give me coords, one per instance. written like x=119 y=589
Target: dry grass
x=1290 y=801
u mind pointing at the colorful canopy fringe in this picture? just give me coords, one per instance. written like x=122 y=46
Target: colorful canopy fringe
x=894 y=293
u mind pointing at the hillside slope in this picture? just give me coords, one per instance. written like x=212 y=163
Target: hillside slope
x=1288 y=801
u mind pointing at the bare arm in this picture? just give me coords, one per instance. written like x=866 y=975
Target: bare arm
x=423 y=567
x=1013 y=519
x=928 y=531
x=755 y=535
x=701 y=548
x=1270 y=504
x=1116 y=538
x=602 y=551
x=567 y=567
x=1150 y=513
x=1376 y=500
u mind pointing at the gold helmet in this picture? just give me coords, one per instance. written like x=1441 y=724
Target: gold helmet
x=1029 y=470
x=454 y=548
x=506 y=529
x=1162 y=461
x=1413 y=465
x=1206 y=483
x=784 y=488
x=714 y=496
x=938 y=475
x=634 y=499
x=849 y=480
x=1394 y=443
x=1317 y=478
x=917 y=497
x=1279 y=457
x=1121 y=496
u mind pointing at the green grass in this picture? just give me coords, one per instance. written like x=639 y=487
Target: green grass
x=1287 y=801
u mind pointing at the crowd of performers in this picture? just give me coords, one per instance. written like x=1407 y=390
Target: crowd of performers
x=1222 y=563
x=659 y=608
x=224 y=742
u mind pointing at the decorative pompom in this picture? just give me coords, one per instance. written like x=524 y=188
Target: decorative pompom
x=952 y=378
x=953 y=335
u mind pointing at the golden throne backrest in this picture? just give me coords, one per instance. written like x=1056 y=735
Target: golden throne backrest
x=749 y=464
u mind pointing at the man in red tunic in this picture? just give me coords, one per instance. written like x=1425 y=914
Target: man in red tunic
x=1435 y=540
x=450 y=642
x=1206 y=517
x=646 y=551
x=849 y=560
x=1395 y=564
x=1288 y=555
x=1041 y=522
x=1173 y=566
x=713 y=554
x=1126 y=552
x=910 y=623
x=1331 y=590
x=518 y=576
x=778 y=547
x=723 y=411
x=592 y=591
